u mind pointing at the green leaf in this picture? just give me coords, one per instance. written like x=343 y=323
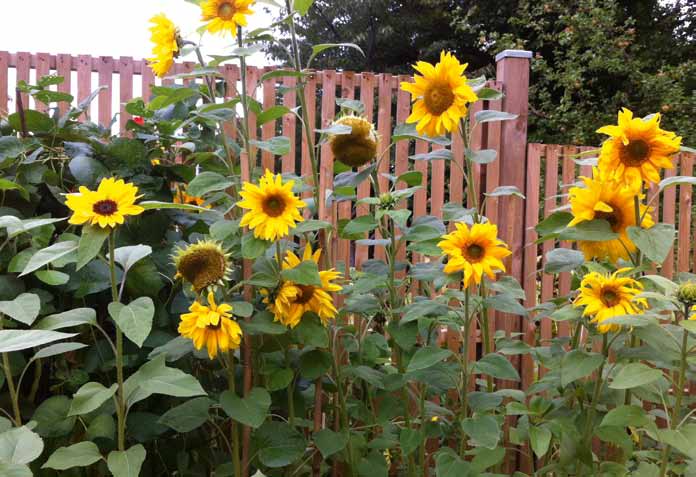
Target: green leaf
x=654 y=242
x=483 y=156
x=10 y=147
x=407 y=131
x=540 y=440
x=251 y=410
x=577 y=364
x=253 y=247
x=157 y=205
x=57 y=349
x=676 y=180
x=91 y=242
x=279 y=444
x=9 y=185
x=553 y=224
x=129 y=256
x=154 y=377
x=317 y=49
x=134 y=319
x=278 y=145
x=352 y=105
x=16 y=340
x=592 y=230
x=505 y=303
x=302 y=6
x=25 y=308
x=315 y=363
x=504 y=191
x=81 y=454
x=187 y=416
x=360 y=225
x=426 y=357
x=67 y=319
x=52 y=417
x=483 y=430
x=15 y=470
x=20 y=445
x=304 y=273
x=126 y=463
x=419 y=309
x=280 y=73
x=242 y=308
x=311 y=226
x=329 y=442
x=271 y=114
x=633 y=375
x=35 y=121
x=624 y=416
x=489 y=115
x=48 y=255
x=89 y=397
x=489 y=94
x=207 y=182
x=498 y=366
x=52 y=277
x=448 y=464
x=87 y=170
x=434 y=155
x=409 y=440
x=563 y=260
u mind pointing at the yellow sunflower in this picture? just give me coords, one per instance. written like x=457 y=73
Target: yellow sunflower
x=211 y=326
x=293 y=300
x=637 y=148
x=225 y=15
x=474 y=251
x=613 y=201
x=357 y=148
x=272 y=207
x=203 y=264
x=165 y=37
x=605 y=296
x=108 y=206
x=441 y=95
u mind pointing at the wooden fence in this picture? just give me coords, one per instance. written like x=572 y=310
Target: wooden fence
x=541 y=172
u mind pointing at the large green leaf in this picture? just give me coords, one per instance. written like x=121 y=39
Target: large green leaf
x=624 y=416
x=24 y=308
x=633 y=375
x=426 y=357
x=16 y=340
x=305 y=273
x=134 y=319
x=577 y=364
x=48 y=255
x=278 y=145
x=540 y=439
x=654 y=242
x=329 y=442
x=129 y=256
x=250 y=410
x=563 y=260
x=279 y=444
x=188 y=415
x=498 y=366
x=81 y=454
x=484 y=430
x=67 y=319
x=154 y=377
x=89 y=397
x=20 y=445
x=207 y=182
x=127 y=463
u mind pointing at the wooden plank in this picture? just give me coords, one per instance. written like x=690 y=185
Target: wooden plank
x=384 y=120
x=290 y=125
x=367 y=98
x=84 y=81
x=345 y=209
x=43 y=68
x=684 y=232
x=669 y=197
x=328 y=112
x=23 y=70
x=475 y=144
x=125 y=80
x=311 y=102
x=253 y=75
x=4 y=82
x=64 y=69
x=147 y=78
x=106 y=70
x=268 y=129
x=550 y=203
x=568 y=179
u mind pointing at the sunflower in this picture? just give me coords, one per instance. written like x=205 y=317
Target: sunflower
x=611 y=200
x=166 y=40
x=637 y=148
x=273 y=208
x=605 y=296
x=203 y=264
x=225 y=15
x=357 y=148
x=211 y=326
x=441 y=95
x=474 y=251
x=181 y=197
x=108 y=206
x=293 y=300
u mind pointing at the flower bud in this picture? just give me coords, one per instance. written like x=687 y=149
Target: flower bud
x=686 y=293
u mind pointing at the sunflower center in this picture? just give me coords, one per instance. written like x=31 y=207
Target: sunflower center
x=105 y=207
x=226 y=10
x=474 y=252
x=215 y=327
x=306 y=294
x=613 y=218
x=202 y=268
x=274 y=205
x=635 y=153
x=438 y=98
x=610 y=297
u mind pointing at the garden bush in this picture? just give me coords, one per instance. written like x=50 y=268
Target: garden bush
x=170 y=308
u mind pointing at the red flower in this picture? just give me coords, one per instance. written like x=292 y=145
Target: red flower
x=138 y=120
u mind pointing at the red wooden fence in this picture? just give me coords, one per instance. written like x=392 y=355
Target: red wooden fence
x=541 y=172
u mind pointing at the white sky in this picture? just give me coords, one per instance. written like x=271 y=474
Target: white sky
x=103 y=27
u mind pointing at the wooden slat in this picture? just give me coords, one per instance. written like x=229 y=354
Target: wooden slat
x=231 y=77
x=345 y=209
x=311 y=102
x=290 y=124
x=669 y=198
x=328 y=112
x=475 y=144
x=4 y=82
x=268 y=129
x=550 y=203
x=64 y=69
x=147 y=79
x=23 y=69
x=253 y=76
x=684 y=226
x=125 y=77
x=568 y=179
x=367 y=98
x=84 y=80
x=384 y=119
x=106 y=69
x=43 y=68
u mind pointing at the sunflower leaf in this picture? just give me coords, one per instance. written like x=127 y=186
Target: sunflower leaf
x=305 y=273
x=654 y=242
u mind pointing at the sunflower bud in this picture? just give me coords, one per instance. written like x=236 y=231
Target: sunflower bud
x=204 y=265
x=357 y=148
x=686 y=293
x=387 y=201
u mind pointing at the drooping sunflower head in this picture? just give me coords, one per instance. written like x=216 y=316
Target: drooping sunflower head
x=357 y=148
x=605 y=296
x=272 y=208
x=108 y=206
x=441 y=94
x=211 y=326
x=474 y=251
x=204 y=264
x=293 y=300
x=225 y=15
x=608 y=198
x=637 y=148
x=166 y=43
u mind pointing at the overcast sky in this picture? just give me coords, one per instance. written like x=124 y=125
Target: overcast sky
x=102 y=27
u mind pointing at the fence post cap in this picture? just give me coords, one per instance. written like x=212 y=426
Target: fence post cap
x=513 y=54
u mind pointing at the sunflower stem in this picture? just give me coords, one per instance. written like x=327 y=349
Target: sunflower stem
x=120 y=398
x=7 y=370
x=597 y=391
x=231 y=385
x=464 y=391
